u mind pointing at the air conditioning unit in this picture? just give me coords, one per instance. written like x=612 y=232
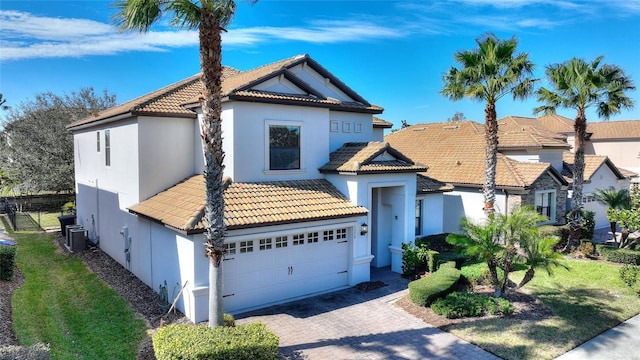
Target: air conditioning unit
x=67 y=234
x=77 y=239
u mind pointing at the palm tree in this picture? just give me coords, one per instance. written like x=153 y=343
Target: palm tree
x=482 y=241
x=210 y=17
x=577 y=84
x=539 y=254
x=488 y=73
x=614 y=199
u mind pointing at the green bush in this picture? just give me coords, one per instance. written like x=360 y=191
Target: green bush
x=588 y=224
x=188 y=342
x=630 y=274
x=433 y=260
x=7 y=262
x=466 y=304
x=458 y=258
x=478 y=274
x=426 y=290
x=36 y=351
x=622 y=256
x=561 y=232
x=449 y=264
x=587 y=248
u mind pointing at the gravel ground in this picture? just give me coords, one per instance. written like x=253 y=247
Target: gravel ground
x=141 y=297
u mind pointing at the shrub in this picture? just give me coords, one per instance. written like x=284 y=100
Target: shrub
x=561 y=232
x=458 y=258
x=7 y=262
x=478 y=274
x=426 y=290
x=410 y=259
x=36 y=351
x=630 y=274
x=588 y=224
x=251 y=341
x=622 y=256
x=437 y=242
x=587 y=248
x=433 y=260
x=229 y=320
x=466 y=304
x=449 y=264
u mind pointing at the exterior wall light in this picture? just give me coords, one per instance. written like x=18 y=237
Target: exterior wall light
x=364 y=229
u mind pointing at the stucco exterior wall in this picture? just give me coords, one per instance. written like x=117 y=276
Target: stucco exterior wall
x=469 y=203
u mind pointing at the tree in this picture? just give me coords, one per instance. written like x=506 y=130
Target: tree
x=505 y=240
x=488 y=73
x=614 y=199
x=210 y=17
x=577 y=84
x=458 y=116
x=3 y=103
x=629 y=218
x=36 y=150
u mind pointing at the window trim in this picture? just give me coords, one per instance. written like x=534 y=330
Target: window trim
x=552 y=204
x=267 y=151
x=418 y=217
x=97 y=141
x=107 y=147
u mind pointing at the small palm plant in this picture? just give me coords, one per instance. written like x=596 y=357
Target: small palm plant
x=539 y=254
x=615 y=200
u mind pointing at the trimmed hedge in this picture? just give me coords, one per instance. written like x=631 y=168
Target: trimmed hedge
x=449 y=264
x=426 y=290
x=622 y=256
x=433 y=260
x=7 y=262
x=189 y=342
x=458 y=258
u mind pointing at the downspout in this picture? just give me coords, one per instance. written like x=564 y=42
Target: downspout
x=97 y=225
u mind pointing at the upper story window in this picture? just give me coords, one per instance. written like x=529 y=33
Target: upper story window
x=284 y=146
x=107 y=147
x=98 y=141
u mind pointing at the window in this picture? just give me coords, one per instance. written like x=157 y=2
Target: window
x=281 y=241
x=341 y=233
x=107 y=147
x=246 y=246
x=298 y=239
x=418 y=217
x=312 y=237
x=327 y=235
x=546 y=204
x=98 y=141
x=284 y=147
x=265 y=244
x=230 y=248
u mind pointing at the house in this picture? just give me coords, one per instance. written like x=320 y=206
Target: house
x=527 y=172
x=619 y=141
x=599 y=173
x=316 y=198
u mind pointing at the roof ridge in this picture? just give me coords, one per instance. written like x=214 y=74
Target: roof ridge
x=510 y=163
x=165 y=91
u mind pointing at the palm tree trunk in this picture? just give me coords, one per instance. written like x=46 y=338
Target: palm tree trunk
x=491 y=156
x=614 y=226
x=527 y=277
x=575 y=224
x=493 y=270
x=211 y=63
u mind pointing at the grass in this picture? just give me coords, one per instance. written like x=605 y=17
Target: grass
x=65 y=305
x=47 y=219
x=585 y=301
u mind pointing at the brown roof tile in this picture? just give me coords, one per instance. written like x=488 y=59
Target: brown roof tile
x=248 y=204
x=381 y=123
x=425 y=185
x=591 y=164
x=611 y=130
x=374 y=156
x=556 y=123
x=455 y=153
x=174 y=100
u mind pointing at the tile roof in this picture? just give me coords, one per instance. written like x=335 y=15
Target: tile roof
x=371 y=157
x=248 y=204
x=591 y=164
x=381 y=123
x=611 y=130
x=557 y=123
x=455 y=154
x=175 y=99
x=425 y=185
x=533 y=128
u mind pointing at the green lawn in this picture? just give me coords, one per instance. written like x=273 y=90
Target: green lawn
x=65 y=305
x=47 y=219
x=585 y=301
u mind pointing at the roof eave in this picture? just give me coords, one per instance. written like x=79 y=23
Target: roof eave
x=339 y=107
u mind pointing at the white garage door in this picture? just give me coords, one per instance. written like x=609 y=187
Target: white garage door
x=261 y=271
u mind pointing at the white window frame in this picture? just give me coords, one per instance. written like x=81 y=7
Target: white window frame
x=107 y=147
x=552 y=204
x=98 y=141
x=267 y=148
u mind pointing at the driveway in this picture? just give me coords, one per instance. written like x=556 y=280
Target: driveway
x=354 y=324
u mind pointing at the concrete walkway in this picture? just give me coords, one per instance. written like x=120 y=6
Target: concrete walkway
x=353 y=324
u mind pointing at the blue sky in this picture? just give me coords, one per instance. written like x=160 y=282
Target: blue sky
x=393 y=53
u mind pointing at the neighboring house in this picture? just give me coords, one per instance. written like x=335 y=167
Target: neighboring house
x=527 y=168
x=618 y=140
x=314 y=201
x=378 y=128
x=599 y=173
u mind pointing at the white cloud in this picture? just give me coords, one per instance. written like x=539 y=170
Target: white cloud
x=27 y=36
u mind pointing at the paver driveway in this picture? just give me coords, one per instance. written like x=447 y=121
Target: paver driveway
x=353 y=324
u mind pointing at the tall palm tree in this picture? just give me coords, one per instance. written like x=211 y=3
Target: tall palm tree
x=615 y=199
x=210 y=17
x=488 y=73
x=577 y=84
